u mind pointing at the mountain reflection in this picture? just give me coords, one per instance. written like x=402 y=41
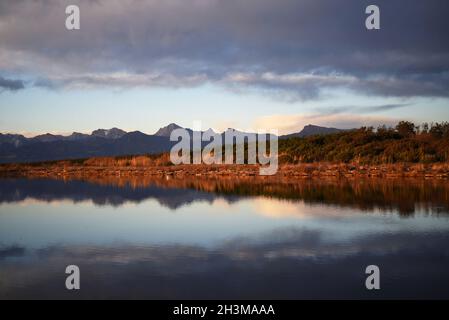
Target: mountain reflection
x=403 y=196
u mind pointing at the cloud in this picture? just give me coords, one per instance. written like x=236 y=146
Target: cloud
x=361 y=110
x=291 y=123
x=12 y=85
x=119 y=80
x=307 y=86
x=385 y=107
x=298 y=48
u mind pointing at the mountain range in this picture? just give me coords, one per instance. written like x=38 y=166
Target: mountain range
x=105 y=142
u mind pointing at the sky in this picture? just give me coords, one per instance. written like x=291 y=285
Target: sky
x=252 y=64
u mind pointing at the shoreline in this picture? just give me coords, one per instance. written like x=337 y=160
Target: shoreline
x=71 y=169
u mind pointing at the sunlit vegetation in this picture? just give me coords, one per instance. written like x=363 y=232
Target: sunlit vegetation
x=406 y=143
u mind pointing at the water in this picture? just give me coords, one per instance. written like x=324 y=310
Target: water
x=224 y=239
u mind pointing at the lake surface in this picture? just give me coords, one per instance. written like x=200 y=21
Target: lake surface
x=224 y=239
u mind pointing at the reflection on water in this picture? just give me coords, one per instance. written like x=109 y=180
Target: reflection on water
x=227 y=238
x=403 y=196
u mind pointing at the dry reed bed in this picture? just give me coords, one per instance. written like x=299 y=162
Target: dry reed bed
x=144 y=166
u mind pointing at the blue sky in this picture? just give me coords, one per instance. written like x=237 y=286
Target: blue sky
x=40 y=110
x=257 y=64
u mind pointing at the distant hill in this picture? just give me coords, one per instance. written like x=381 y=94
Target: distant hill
x=48 y=138
x=13 y=139
x=166 y=131
x=77 y=136
x=113 y=133
x=312 y=130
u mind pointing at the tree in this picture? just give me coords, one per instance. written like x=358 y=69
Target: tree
x=440 y=130
x=406 y=128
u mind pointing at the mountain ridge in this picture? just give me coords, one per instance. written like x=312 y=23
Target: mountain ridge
x=311 y=130
x=104 y=142
x=115 y=133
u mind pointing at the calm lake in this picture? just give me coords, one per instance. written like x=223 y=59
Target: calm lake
x=224 y=239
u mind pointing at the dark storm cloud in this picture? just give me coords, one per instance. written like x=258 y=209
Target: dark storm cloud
x=8 y=84
x=299 y=47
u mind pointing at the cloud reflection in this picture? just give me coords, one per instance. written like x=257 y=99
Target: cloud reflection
x=285 y=263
